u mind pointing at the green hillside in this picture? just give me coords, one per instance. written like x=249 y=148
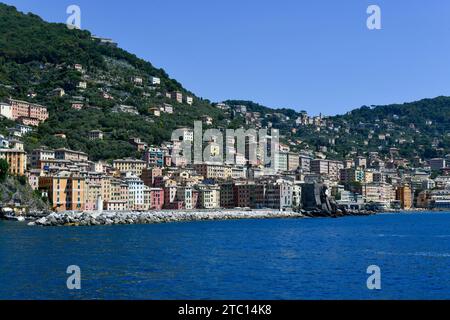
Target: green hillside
x=37 y=57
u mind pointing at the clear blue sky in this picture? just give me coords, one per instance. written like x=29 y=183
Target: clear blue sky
x=316 y=55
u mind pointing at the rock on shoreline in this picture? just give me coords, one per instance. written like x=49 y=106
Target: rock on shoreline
x=73 y=218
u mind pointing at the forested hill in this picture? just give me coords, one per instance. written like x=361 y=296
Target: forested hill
x=37 y=57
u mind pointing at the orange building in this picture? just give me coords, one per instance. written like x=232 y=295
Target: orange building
x=404 y=195
x=64 y=192
x=17 y=160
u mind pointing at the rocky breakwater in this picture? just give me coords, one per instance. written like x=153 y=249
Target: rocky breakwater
x=72 y=218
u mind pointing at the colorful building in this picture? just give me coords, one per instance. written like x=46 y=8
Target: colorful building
x=65 y=192
x=17 y=160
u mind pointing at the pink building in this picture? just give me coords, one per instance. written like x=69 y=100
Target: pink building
x=28 y=110
x=33 y=178
x=156 y=198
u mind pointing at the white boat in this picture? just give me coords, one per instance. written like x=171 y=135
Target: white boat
x=14 y=218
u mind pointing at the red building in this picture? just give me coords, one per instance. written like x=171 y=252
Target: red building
x=156 y=198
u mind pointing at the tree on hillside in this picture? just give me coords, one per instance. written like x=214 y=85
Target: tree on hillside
x=4 y=167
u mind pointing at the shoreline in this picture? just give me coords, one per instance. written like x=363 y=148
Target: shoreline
x=94 y=218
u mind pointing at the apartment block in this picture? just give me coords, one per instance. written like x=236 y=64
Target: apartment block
x=170 y=195
x=133 y=166
x=281 y=161
x=227 y=194
x=278 y=195
x=404 y=194
x=38 y=155
x=154 y=157
x=361 y=162
x=186 y=134
x=329 y=168
x=214 y=171
x=135 y=191
x=33 y=176
x=64 y=192
x=67 y=154
x=17 y=160
x=377 y=193
x=243 y=194
x=305 y=164
x=208 y=196
x=349 y=175
x=185 y=194
x=293 y=161
x=93 y=193
x=27 y=110
x=118 y=200
x=153 y=198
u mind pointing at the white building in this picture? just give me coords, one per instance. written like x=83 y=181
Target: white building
x=279 y=194
x=238 y=172
x=6 y=110
x=41 y=154
x=82 y=85
x=155 y=80
x=186 y=134
x=24 y=129
x=4 y=143
x=135 y=191
x=137 y=80
x=281 y=161
x=209 y=196
x=296 y=194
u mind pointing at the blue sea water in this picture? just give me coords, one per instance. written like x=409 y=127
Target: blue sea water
x=246 y=259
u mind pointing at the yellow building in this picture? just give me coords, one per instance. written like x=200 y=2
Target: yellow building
x=64 y=192
x=17 y=160
x=93 y=192
x=368 y=176
x=130 y=165
x=118 y=200
x=214 y=171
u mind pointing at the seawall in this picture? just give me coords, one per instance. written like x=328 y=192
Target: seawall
x=72 y=218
